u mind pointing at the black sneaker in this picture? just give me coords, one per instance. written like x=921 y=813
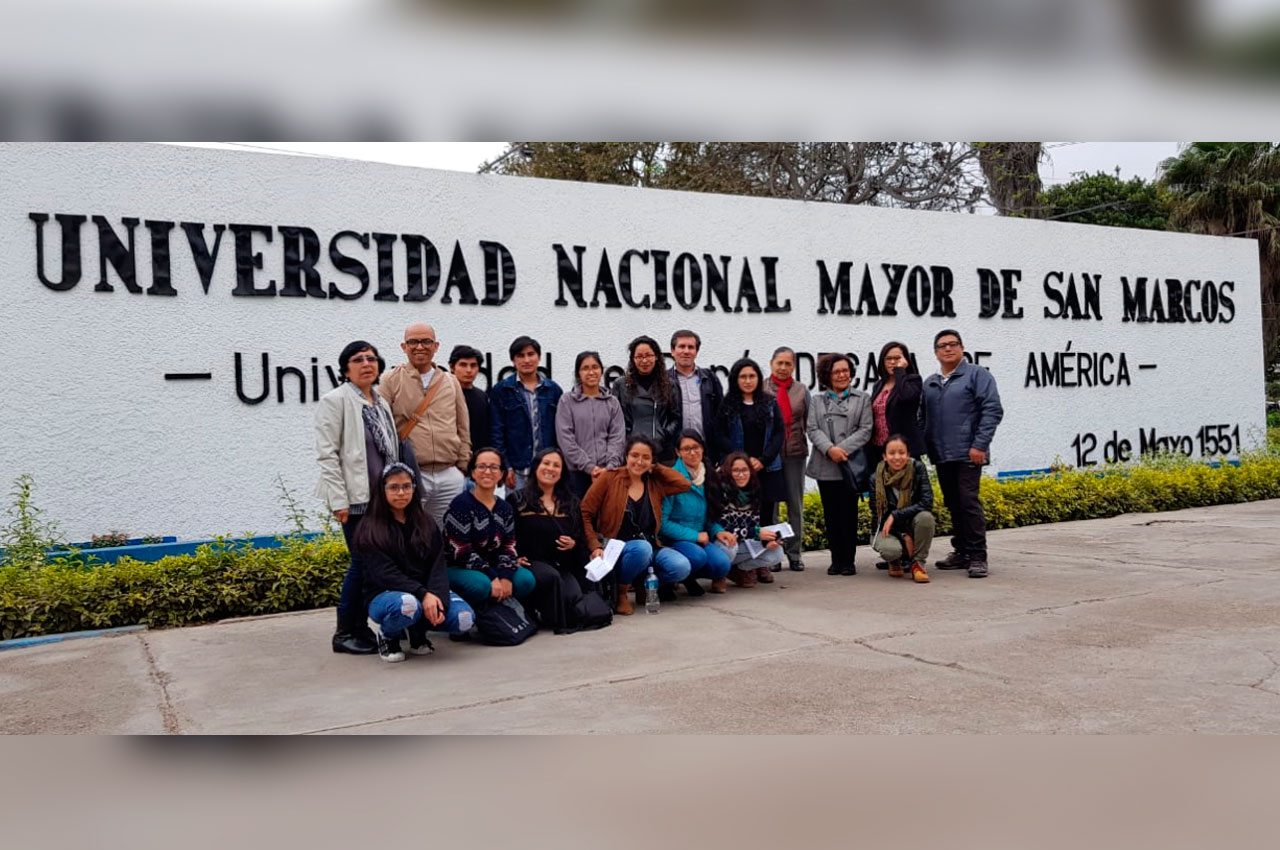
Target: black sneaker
x=691 y=585
x=389 y=650
x=419 y=644
x=954 y=561
x=882 y=565
x=977 y=569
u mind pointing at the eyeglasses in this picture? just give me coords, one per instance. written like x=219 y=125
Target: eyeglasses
x=944 y=345
x=591 y=368
x=838 y=372
x=645 y=357
x=690 y=449
x=365 y=359
x=488 y=467
x=420 y=343
x=400 y=488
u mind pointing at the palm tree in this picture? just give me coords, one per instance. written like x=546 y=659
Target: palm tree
x=1233 y=189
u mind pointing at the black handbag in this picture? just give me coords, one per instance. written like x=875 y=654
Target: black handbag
x=504 y=624
x=856 y=472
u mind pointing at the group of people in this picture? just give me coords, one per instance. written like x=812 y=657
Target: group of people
x=687 y=476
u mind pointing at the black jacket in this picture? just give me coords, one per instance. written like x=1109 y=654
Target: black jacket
x=382 y=571
x=901 y=410
x=712 y=397
x=644 y=414
x=921 y=490
x=478 y=411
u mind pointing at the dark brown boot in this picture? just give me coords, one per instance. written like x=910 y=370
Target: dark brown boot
x=624 y=600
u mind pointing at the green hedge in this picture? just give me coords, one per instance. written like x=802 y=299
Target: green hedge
x=221 y=580
x=1092 y=494
x=229 y=580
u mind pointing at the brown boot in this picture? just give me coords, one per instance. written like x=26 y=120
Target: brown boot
x=764 y=576
x=719 y=585
x=624 y=600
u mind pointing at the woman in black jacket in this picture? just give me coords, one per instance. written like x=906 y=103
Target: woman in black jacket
x=406 y=585
x=550 y=540
x=895 y=403
x=902 y=511
x=648 y=399
x=749 y=421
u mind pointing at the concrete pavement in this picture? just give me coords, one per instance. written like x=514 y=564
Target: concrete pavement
x=1147 y=623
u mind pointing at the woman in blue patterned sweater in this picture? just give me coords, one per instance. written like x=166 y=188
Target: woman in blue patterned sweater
x=481 y=531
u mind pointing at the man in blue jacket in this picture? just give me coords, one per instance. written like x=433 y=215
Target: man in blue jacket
x=961 y=409
x=522 y=411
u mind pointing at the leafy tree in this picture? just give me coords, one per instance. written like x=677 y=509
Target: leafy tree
x=1233 y=189
x=1106 y=199
x=1012 y=170
x=916 y=175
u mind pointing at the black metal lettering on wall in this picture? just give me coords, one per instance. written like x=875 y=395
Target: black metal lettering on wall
x=642 y=278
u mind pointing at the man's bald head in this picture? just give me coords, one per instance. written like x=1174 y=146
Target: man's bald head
x=420 y=345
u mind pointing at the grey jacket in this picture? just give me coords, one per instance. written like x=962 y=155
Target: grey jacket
x=590 y=431
x=836 y=422
x=960 y=415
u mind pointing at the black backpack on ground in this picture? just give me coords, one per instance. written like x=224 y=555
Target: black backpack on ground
x=504 y=624
x=590 y=611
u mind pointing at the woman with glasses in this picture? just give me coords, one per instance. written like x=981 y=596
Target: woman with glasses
x=647 y=398
x=687 y=527
x=481 y=532
x=590 y=427
x=750 y=421
x=406 y=585
x=735 y=503
x=355 y=440
x=839 y=427
x=626 y=504
x=895 y=403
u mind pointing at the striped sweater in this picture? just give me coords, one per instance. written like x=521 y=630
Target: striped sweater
x=481 y=539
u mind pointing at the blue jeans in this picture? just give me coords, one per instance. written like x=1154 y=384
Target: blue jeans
x=668 y=564
x=705 y=561
x=388 y=610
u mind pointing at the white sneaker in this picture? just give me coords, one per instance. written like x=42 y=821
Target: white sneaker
x=389 y=650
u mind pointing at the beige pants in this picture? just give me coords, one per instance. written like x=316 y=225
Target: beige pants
x=891 y=548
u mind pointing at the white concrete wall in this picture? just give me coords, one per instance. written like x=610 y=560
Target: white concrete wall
x=113 y=445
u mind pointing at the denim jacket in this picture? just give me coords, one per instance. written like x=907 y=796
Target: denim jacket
x=510 y=424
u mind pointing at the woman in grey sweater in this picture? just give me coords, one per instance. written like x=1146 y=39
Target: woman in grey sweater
x=590 y=429
x=839 y=426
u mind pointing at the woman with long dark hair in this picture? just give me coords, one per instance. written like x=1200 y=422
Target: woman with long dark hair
x=647 y=399
x=550 y=540
x=751 y=422
x=355 y=440
x=590 y=427
x=735 y=503
x=839 y=426
x=626 y=504
x=405 y=582
x=895 y=403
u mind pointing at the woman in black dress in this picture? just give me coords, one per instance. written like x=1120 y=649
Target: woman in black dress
x=550 y=539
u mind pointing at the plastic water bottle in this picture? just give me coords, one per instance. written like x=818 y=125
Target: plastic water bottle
x=651 y=603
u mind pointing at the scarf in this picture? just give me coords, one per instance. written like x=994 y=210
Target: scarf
x=900 y=481
x=383 y=429
x=698 y=478
x=784 y=402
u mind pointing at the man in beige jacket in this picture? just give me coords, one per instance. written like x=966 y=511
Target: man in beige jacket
x=441 y=435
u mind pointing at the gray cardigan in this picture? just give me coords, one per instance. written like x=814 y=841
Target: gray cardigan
x=590 y=431
x=836 y=422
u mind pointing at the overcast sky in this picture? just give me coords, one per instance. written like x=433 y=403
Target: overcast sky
x=1135 y=159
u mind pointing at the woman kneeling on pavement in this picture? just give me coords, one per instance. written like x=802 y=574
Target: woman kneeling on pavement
x=902 y=511
x=626 y=504
x=406 y=585
x=549 y=539
x=686 y=526
x=736 y=503
x=481 y=531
